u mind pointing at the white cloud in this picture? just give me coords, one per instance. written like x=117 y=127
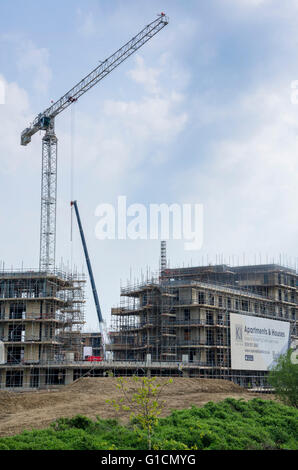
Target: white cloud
x=14 y=116
x=151 y=119
x=146 y=76
x=249 y=183
x=2 y=90
x=124 y=133
x=30 y=59
x=36 y=60
x=86 y=23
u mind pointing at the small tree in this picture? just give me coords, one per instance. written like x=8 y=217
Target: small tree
x=141 y=397
x=284 y=379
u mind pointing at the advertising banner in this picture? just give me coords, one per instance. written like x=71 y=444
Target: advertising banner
x=256 y=343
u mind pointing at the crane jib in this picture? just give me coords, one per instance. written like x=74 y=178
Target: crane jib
x=43 y=120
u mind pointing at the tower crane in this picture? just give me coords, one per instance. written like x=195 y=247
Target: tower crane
x=45 y=121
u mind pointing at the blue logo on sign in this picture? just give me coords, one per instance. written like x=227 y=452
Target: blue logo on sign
x=249 y=357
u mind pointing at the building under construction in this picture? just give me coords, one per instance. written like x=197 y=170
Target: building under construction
x=183 y=316
x=41 y=316
x=176 y=324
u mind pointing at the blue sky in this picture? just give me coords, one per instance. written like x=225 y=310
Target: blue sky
x=200 y=114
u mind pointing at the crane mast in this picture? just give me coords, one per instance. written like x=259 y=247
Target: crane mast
x=45 y=121
x=48 y=200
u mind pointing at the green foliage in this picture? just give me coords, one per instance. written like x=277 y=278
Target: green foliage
x=78 y=421
x=233 y=424
x=141 y=397
x=227 y=425
x=284 y=379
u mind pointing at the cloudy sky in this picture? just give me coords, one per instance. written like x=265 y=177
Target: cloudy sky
x=204 y=113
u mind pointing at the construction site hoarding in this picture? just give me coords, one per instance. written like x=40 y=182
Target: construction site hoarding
x=256 y=343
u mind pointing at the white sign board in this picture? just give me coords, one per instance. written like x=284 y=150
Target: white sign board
x=87 y=351
x=256 y=343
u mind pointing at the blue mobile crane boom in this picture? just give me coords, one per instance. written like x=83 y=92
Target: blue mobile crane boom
x=90 y=272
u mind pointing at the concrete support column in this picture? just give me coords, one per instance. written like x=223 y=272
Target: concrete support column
x=42 y=378
x=26 y=378
x=68 y=376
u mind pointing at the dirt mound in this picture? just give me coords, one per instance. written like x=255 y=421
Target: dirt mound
x=87 y=396
x=179 y=384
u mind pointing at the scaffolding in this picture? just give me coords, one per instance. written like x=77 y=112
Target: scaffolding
x=182 y=316
x=41 y=317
